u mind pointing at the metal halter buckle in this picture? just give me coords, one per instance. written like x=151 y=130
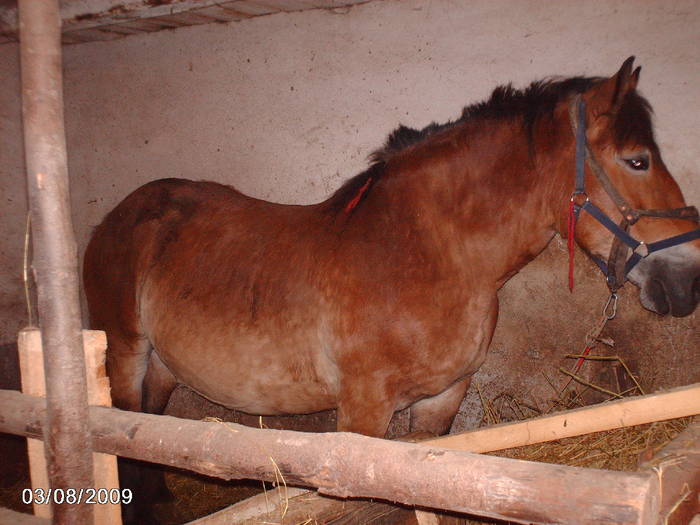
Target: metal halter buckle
x=642 y=250
x=583 y=198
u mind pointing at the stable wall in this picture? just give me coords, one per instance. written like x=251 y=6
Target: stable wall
x=285 y=107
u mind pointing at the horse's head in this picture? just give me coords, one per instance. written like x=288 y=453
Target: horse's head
x=639 y=195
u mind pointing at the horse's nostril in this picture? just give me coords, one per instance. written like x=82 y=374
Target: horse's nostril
x=658 y=294
x=696 y=289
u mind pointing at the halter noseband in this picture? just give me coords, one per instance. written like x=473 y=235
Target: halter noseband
x=619 y=265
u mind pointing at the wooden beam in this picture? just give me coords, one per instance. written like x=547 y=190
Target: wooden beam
x=660 y=406
x=251 y=510
x=67 y=440
x=31 y=361
x=350 y=465
x=292 y=506
x=677 y=466
x=87 y=20
x=31 y=365
x=313 y=505
x=11 y=517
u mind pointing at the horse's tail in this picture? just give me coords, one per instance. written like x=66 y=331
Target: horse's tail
x=110 y=262
x=114 y=267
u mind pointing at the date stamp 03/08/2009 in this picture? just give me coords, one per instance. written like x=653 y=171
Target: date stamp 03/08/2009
x=89 y=496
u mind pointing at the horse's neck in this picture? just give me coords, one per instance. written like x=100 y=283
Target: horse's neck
x=484 y=209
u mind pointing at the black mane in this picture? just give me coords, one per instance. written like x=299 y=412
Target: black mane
x=536 y=101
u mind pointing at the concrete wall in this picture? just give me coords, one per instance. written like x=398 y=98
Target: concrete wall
x=287 y=106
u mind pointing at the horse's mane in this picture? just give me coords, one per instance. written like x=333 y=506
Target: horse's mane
x=536 y=101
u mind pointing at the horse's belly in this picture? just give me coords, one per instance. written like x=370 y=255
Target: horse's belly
x=255 y=377
x=278 y=399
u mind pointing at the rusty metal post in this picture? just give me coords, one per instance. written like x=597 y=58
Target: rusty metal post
x=67 y=434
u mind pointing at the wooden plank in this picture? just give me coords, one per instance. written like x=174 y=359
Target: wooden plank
x=273 y=502
x=677 y=466
x=78 y=16
x=88 y=35
x=292 y=506
x=284 y=5
x=349 y=465
x=106 y=473
x=222 y=14
x=250 y=8
x=660 y=406
x=31 y=365
x=32 y=371
x=11 y=517
x=147 y=25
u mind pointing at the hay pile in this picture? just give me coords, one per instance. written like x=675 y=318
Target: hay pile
x=617 y=449
x=195 y=496
x=621 y=449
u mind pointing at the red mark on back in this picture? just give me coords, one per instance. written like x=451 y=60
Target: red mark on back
x=356 y=199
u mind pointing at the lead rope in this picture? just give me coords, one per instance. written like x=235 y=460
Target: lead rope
x=593 y=336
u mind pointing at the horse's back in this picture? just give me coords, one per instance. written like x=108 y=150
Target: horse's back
x=218 y=283
x=119 y=244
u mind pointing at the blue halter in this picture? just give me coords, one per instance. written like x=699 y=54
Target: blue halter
x=619 y=265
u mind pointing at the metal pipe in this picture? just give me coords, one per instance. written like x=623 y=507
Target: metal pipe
x=67 y=434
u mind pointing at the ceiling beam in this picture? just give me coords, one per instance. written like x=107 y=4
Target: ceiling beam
x=90 y=20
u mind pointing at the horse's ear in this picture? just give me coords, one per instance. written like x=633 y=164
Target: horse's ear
x=605 y=98
x=634 y=79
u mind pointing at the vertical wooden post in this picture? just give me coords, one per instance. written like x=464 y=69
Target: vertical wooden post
x=67 y=437
x=32 y=369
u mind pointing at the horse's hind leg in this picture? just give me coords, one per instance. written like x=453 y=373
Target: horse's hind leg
x=365 y=407
x=140 y=382
x=435 y=414
x=127 y=362
x=158 y=384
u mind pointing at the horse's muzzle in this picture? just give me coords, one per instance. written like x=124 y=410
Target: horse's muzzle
x=669 y=287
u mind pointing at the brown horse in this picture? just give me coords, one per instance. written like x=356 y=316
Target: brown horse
x=383 y=296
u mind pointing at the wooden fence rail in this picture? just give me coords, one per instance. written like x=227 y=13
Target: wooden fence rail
x=345 y=465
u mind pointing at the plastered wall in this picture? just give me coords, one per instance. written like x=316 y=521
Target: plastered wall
x=285 y=107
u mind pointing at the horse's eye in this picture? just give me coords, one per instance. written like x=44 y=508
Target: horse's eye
x=640 y=163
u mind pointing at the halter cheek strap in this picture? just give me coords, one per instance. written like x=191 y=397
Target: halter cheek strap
x=618 y=265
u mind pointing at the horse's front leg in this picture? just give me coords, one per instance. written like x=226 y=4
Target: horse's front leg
x=365 y=406
x=435 y=414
